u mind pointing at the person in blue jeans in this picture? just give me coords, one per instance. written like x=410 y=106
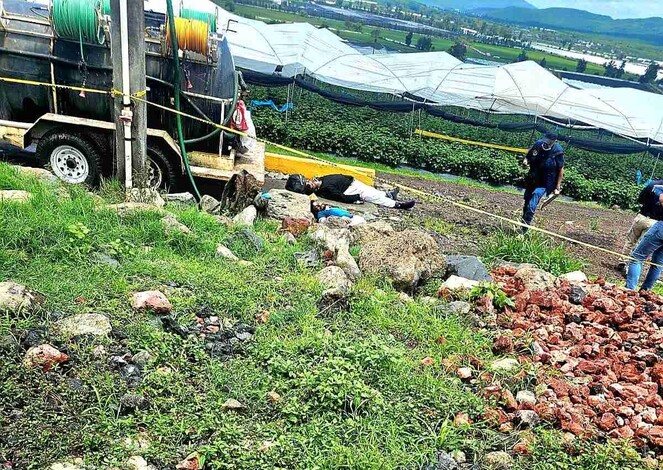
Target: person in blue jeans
x=651 y=243
x=546 y=171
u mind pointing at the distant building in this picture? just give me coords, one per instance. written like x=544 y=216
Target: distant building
x=469 y=32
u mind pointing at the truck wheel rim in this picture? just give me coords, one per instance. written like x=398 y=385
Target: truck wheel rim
x=154 y=174
x=69 y=164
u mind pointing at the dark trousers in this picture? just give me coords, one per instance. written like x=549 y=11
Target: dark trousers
x=532 y=198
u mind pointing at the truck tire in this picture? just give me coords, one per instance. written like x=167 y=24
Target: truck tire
x=73 y=159
x=161 y=172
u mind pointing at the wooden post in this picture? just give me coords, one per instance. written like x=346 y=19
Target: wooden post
x=136 y=24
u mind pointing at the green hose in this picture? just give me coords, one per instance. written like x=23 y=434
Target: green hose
x=78 y=20
x=191 y=14
x=177 y=79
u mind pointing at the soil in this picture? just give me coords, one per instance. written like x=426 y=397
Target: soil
x=598 y=226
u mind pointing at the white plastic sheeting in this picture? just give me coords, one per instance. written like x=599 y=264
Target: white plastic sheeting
x=300 y=49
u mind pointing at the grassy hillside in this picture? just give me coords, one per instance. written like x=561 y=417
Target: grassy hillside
x=465 y=5
x=351 y=391
x=648 y=29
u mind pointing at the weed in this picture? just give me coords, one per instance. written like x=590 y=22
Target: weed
x=533 y=248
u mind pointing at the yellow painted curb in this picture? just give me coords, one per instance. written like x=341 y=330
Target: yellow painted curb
x=288 y=165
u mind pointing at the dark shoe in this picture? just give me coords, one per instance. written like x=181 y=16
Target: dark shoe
x=405 y=205
x=393 y=194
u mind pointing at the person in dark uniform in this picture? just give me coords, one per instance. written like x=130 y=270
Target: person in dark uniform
x=546 y=170
x=651 y=243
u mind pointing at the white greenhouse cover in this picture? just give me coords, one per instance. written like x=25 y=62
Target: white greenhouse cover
x=300 y=49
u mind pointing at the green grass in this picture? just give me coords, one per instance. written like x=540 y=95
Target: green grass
x=353 y=392
x=534 y=248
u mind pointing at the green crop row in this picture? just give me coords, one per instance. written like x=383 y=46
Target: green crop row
x=320 y=125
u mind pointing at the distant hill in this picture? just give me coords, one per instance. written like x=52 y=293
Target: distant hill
x=466 y=5
x=647 y=29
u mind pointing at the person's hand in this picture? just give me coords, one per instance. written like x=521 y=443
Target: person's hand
x=359 y=202
x=525 y=162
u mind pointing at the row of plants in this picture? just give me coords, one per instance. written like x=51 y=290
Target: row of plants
x=320 y=125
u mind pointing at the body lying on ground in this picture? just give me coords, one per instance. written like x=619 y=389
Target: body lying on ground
x=343 y=188
x=322 y=212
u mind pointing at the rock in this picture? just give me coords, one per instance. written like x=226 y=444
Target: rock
x=14 y=195
x=458 y=283
x=223 y=251
x=273 y=397
x=407 y=258
x=459 y=456
x=191 y=462
x=575 y=277
x=15 y=298
x=468 y=267
x=577 y=295
x=44 y=356
x=84 y=324
x=130 y=402
x=526 y=398
x=247 y=216
x=366 y=233
x=498 y=461
x=153 y=300
x=141 y=358
x=535 y=278
x=464 y=373
x=284 y=204
x=223 y=220
x=295 y=227
x=446 y=462
x=308 y=259
x=180 y=197
x=505 y=365
x=232 y=405
x=210 y=205
x=171 y=224
x=502 y=345
x=138 y=463
x=289 y=238
x=146 y=196
x=38 y=173
x=248 y=236
x=73 y=464
x=335 y=281
x=347 y=263
x=102 y=258
x=458 y=307
x=331 y=239
x=125 y=209
x=526 y=419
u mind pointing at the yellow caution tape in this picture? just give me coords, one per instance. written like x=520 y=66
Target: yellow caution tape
x=469 y=142
x=409 y=189
x=53 y=85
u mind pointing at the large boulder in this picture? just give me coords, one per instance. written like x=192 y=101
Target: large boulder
x=146 y=195
x=366 y=233
x=285 y=203
x=38 y=173
x=535 y=278
x=332 y=239
x=84 y=324
x=335 y=281
x=210 y=205
x=15 y=297
x=347 y=263
x=468 y=267
x=407 y=258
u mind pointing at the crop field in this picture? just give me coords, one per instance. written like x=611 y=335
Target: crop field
x=320 y=125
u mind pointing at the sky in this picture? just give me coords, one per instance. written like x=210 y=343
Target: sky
x=614 y=8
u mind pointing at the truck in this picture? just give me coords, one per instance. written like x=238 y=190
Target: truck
x=73 y=132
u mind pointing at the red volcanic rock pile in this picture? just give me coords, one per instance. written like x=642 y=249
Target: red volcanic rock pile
x=607 y=344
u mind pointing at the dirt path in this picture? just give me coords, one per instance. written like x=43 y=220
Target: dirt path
x=602 y=227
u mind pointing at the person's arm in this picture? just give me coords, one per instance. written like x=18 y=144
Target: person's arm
x=560 y=177
x=350 y=198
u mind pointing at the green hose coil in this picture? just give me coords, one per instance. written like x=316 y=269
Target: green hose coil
x=191 y=14
x=79 y=20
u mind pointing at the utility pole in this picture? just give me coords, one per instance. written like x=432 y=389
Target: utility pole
x=128 y=55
